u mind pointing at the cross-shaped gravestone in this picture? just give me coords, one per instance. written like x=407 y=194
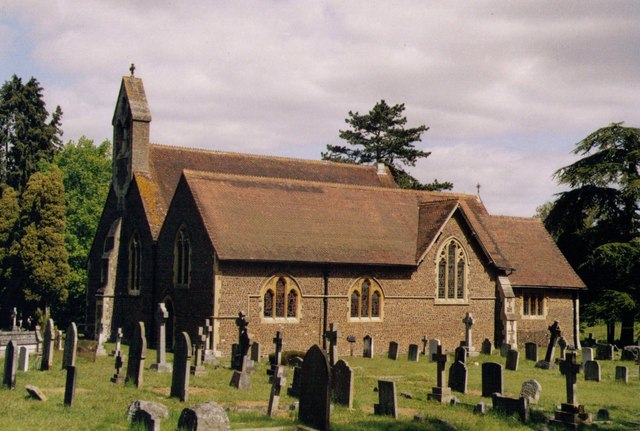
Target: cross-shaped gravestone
x=161 y=317
x=47 y=349
x=277 y=342
x=554 y=334
x=208 y=353
x=332 y=336
x=562 y=342
x=118 y=342
x=468 y=323
x=243 y=341
x=198 y=369
x=570 y=369
x=440 y=393
x=424 y=340
x=118 y=377
x=274 y=398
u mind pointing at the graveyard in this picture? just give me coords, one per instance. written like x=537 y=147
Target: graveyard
x=100 y=401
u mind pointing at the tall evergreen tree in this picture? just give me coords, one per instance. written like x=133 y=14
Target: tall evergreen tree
x=9 y=214
x=27 y=135
x=381 y=136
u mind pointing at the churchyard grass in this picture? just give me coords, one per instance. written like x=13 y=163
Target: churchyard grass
x=101 y=405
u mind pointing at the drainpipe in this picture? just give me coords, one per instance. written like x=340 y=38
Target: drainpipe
x=325 y=307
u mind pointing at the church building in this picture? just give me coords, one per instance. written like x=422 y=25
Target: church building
x=299 y=245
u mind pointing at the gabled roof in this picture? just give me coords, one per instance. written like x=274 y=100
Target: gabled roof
x=133 y=90
x=537 y=260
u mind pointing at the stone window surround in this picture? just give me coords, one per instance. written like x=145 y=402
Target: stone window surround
x=182 y=235
x=529 y=294
x=290 y=285
x=374 y=287
x=462 y=254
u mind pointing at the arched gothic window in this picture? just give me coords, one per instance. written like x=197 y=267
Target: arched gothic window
x=182 y=258
x=135 y=264
x=452 y=272
x=281 y=299
x=365 y=300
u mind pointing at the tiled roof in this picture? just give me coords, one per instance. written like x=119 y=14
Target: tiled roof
x=531 y=250
x=134 y=89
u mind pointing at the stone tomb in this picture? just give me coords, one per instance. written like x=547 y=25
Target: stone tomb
x=531 y=352
x=492 y=380
x=513 y=357
x=181 y=367
x=592 y=371
x=315 y=390
x=510 y=406
x=29 y=339
x=531 y=390
x=137 y=355
x=413 y=353
x=342 y=384
x=387 y=402
x=367 y=347
x=393 y=350
x=458 y=377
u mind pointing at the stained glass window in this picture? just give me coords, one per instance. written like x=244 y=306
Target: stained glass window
x=460 y=280
x=135 y=269
x=268 y=303
x=280 y=287
x=292 y=303
x=375 y=304
x=364 y=310
x=355 y=304
x=442 y=271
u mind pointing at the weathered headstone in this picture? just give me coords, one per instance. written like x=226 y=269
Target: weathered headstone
x=562 y=343
x=492 y=380
x=351 y=339
x=70 y=347
x=468 y=339
x=531 y=352
x=35 y=393
x=587 y=354
x=181 y=364
x=10 y=365
x=571 y=414
x=367 y=347
x=460 y=354
x=118 y=346
x=204 y=417
x=47 y=347
x=510 y=406
x=592 y=371
x=100 y=350
x=458 y=377
x=433 y=348
x=161 y=317
x=342 y=384
x=604 y=352
x=59 y=337
x=393 y=350
x=387 y=402
x=531 y=390
x=504 y=349
x=294 y=390
x=240 y=379
x=70 y=386
x=14 y=319
x=38 y=334
x=23 y=359
x=274 y=397
x=413 y=353
x=255 y=351
x=243 y=342
x=147 y=414
x=425 y=342
x=513 y=357
x=137 y=355
x=118 y=378
x=332 y=336
x=589 y=342
x=198 y=369
x=315 y=390
x=440 y=393
x=554 y=333
x=622 y=374
x=487 y=347
x=209 y=353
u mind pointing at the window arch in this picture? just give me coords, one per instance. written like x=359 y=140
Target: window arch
x=365 y=300
x=182 y=258
x=452 y=266
x=135 y=264
x=281 y=299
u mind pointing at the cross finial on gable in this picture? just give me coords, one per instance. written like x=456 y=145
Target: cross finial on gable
x=132 y=68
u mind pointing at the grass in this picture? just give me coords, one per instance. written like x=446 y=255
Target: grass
x=101 y=405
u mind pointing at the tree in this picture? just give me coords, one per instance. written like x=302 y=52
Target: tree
x=380 y=136
x=86 y=176
x=42 y=252
x=26 y=137
x=597 y=222
x=9 y=214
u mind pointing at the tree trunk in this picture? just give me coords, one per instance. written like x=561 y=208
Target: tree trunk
x=626 y=332
x=611 y=332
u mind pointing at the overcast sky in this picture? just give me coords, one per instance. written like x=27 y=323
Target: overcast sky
x=507 y=88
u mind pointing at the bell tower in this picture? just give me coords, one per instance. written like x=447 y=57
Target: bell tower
x=130 y=122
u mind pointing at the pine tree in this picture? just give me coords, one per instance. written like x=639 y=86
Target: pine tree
x=380 y=136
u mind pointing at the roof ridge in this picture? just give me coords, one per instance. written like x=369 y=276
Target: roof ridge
x=518 y=218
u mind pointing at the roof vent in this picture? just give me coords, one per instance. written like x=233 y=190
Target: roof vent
x=382 y=169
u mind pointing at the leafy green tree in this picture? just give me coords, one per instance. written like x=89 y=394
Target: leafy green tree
x=597 y=221
x=42 y=253
x=380 y=136
x=86 y=175
x=9 y=214
x=27 y=135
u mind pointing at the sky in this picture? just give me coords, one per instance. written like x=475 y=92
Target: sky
x=506 y=88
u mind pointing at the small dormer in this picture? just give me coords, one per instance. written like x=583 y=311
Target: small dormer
x=130 y=122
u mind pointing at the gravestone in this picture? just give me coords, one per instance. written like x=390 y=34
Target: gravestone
x=571 y=414
x=513 y=357
x=70 y=386
x=152 y=408
x=393 y=350
x=460 y=355
x=274 y=397
x=209 y=353
x=118 y=346
x=294 y=390
x=35 y=393
x=440 y=393
x=510 y=406
x=587 y=354
x=592 y=371
x=23 y=359
x=531 y=352
x=504 y=349
x=47 y=347
x=315 y=390
x=181 y=364
x=197 y=369
x=118 y=378
x=100 y=351
x=468 y=339
x=367 y=347
x=351 y=339
x=70 y=347
x=277 y=355
x=342 y=384
x=458 y=377
x=38 y=335
x=562 y=343
x=243 y=342
x=531 y=390
x=487 y=347
x=433 y=348
x=14 y=319
x=332 y=336
x=622 y=374
x=387 y=403
x=59 y=336
x=604 y=352
x=255 y=351
x=425 y=342
x=240 y=379
x=554 y=333
x=204 y=417
x=10 y=365
x=589 y=342
x=492 y=381
x=137 y=355
x=413 y=353
x=161 y=317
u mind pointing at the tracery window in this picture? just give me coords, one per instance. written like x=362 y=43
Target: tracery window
x=182 y=258
x=452 y=272
x=135 y=264
x=281 y=299
x=366 y=300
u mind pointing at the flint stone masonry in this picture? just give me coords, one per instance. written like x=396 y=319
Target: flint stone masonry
x=204 y=417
